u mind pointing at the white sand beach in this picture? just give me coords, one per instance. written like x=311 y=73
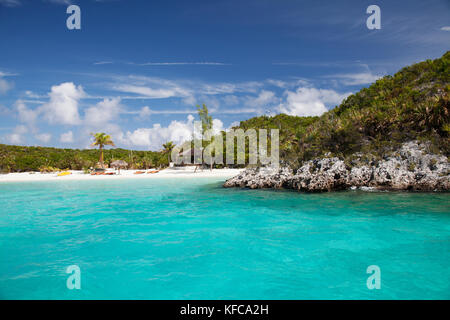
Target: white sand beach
x=180 y=172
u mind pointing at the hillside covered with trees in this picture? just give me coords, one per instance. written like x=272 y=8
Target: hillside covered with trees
x=413 y=104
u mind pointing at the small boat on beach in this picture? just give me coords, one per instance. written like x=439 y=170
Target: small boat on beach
x=102 y=172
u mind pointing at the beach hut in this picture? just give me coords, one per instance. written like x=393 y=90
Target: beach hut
x=118 y=164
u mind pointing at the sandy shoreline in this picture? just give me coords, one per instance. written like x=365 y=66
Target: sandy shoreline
x=185 y=172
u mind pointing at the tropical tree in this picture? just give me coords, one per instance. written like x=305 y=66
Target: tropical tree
x=168 y=147
x=205 y=118
x=207 y=125
x=101 y=140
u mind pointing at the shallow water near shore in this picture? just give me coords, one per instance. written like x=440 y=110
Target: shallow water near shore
x=192 y=239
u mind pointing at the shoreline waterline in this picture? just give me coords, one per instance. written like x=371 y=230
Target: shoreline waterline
x=187 y=172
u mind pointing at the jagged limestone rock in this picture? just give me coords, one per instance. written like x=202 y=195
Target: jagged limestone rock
x=409 y=168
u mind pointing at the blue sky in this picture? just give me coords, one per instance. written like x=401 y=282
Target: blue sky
x=136 y=69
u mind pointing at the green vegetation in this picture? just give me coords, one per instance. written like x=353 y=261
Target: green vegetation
x=412 y=104
x=101 y=140
x=20 y=159
x=168 y=147
x=207 y=125
x=291 y=130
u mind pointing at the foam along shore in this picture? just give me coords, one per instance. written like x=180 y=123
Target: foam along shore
x=179 y=172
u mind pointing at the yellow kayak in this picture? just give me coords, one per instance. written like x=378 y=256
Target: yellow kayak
x=65 y=173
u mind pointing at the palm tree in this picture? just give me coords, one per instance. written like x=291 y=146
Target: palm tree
x=168 y=147
x=101 y=140
x=207 y=125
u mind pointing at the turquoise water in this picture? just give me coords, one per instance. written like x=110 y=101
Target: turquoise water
x=192 y=239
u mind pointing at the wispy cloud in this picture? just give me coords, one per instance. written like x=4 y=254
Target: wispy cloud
x=314 y=64
x=353 y=79
x=5 y=86
x=60 y=1
x=149 y=92
x=16 y=3
x=4 y=110
x=146 y=111
x=103 y=62
x=159 y=88
x=7 y=74
x=446 y=28
x=10 y=3
x=181 y=63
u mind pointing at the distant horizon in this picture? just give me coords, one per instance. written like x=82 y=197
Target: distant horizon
x=136 y=70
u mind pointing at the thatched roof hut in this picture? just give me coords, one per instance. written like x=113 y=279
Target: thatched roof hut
x=119 y=164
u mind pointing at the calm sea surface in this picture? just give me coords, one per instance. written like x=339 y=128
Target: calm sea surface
x=193 y=239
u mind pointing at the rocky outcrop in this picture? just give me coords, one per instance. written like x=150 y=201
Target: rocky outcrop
x=410 y=168
x=261 y=178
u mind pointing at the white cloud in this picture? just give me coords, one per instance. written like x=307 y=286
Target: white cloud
x=30 y=94
x=25 y=114
x=176 y=131
x=233 y=124
x=310 y=101
x=103 y=112
x=16 y=137
x=263 y=99
x=5 y=86
x=217 y=126
x=446 y=28
x=142 y=136
x=63 y=105
x=145 y=112
x=153 y=138
x=66 y=137
x=277 y=83
x=44 y=137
